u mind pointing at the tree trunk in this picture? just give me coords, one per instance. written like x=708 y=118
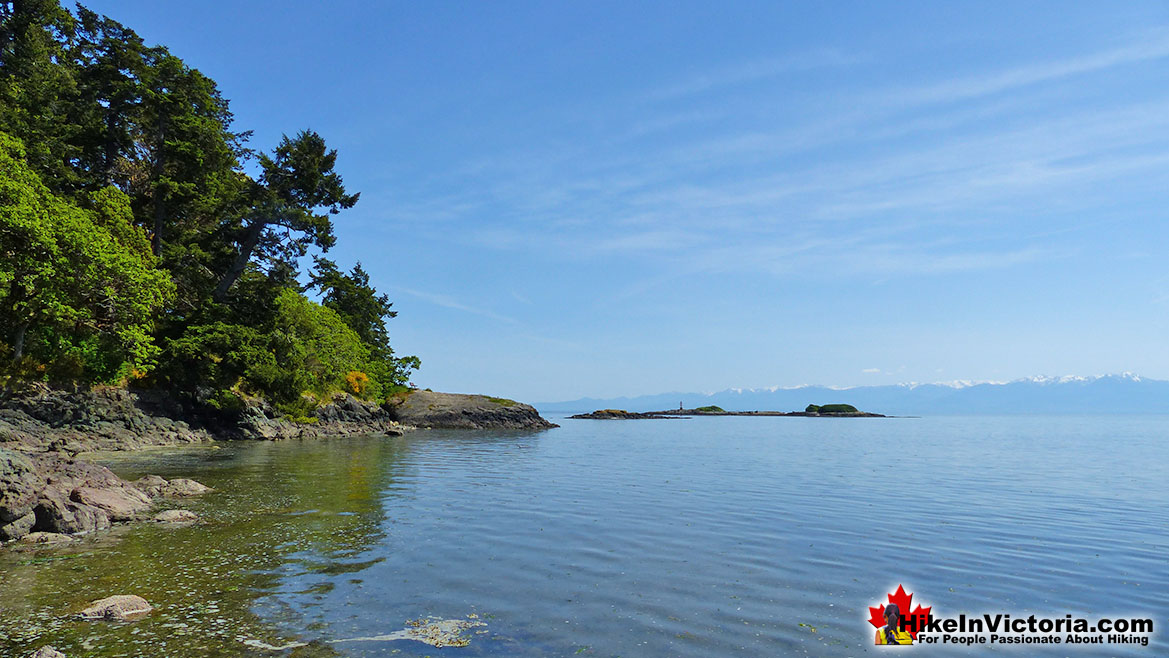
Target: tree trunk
x=110 y=160
x=159 y=201
x=18 y=341
x=251 y=239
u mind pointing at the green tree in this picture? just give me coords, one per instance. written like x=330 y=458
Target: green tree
x=107 y=63
x=184 y=139
x=351 y=296
x=80 y=279
x=128 y=223
x=38 y=95
x=291 y=206
x=321 y=343
x=96 y=107
x=366 y=312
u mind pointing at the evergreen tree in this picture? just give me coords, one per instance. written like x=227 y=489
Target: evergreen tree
x=351 y=296
x=129 y=230
x=298 y=183
x=38 y=94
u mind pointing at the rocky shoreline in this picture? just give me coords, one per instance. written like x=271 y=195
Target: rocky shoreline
x=46 y=493
x=49 y=497
x=43 y=419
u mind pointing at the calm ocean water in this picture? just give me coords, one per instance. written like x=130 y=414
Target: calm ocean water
x=705 y=537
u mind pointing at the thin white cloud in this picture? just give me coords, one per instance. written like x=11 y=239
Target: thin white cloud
x=752 y=71
x=867 y=186
x=1154 y=47
x=447 y=301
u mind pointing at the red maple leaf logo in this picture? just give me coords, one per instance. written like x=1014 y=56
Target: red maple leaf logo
x=902 y=600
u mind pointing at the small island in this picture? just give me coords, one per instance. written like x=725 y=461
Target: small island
x=811 y=411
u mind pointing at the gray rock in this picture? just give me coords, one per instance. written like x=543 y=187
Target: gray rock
x=176 y=516
x=121 y=607
x=46 y=652
x=19 y=483
x=55 y=512
x=155 y=487
x=151 y=485
x=120 y=503
x=18 y=528
x=183 y=487
x=46 y=538
x=39 y=418
x=457 y=411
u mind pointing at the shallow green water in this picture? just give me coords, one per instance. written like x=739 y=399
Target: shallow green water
x=272 y=503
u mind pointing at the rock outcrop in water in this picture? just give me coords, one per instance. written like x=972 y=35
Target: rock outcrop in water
x=458 y=411
x=621 y=414
x=120 y=607
x=176 y=516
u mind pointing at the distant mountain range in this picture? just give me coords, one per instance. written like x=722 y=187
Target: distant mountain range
x=1108 y=394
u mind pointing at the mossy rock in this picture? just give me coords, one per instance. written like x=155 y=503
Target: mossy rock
x=838 y=409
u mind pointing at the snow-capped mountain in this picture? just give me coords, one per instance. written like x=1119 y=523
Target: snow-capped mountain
x=1124 y=393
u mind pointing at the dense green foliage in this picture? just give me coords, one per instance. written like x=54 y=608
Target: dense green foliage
x=78 y=283
x=812 y=408
x=133 y=244
x=712 y=409
x=837 y=409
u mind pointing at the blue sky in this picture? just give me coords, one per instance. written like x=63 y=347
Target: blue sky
x=613 y=198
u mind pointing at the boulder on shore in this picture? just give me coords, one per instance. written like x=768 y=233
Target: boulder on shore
x=56 y=513
x=120 y=503
x=53 y=494
x=19 y=483
x=18 y=528
x=78 y=497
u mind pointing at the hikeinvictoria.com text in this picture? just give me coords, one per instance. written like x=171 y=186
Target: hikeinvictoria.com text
x=1005 y=629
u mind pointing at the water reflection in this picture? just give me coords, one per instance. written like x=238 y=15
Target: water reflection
x=712 y=537
x=280 y=513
